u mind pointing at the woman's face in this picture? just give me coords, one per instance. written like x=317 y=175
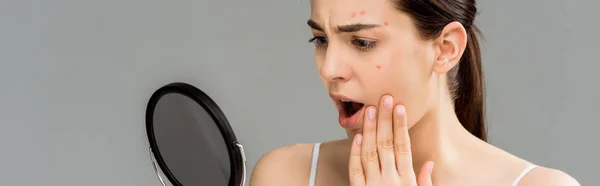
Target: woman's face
x=366 y=49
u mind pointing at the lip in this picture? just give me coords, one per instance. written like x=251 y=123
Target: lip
x=338 y=97
x=352 y=121
x=347 y=122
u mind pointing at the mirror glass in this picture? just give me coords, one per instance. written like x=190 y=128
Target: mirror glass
x=191 y=141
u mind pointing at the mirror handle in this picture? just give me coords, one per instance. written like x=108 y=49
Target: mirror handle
x=241 y=148
x=156 y=167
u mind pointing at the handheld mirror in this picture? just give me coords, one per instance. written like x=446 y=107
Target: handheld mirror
x=191 y=141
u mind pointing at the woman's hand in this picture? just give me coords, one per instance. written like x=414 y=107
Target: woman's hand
x=381 y=156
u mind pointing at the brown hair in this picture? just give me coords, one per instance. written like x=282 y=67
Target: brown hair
x=465 y=80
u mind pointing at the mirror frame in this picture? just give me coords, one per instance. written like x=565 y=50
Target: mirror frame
x=237 y=157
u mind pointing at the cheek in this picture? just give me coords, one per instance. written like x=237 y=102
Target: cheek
x=418 y=98
x=400 y=77
x=407 y=79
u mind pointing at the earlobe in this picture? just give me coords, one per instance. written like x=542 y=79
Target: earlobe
x=452 y=43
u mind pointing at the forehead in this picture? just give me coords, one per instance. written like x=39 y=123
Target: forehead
x=342 y=11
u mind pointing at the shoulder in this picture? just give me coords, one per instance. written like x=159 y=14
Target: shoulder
x=548 y=177
x=288 y=165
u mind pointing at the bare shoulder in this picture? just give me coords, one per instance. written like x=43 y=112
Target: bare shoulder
x=288 y=165
x=548 y=177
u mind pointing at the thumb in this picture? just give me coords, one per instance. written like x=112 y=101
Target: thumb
x=425 y=174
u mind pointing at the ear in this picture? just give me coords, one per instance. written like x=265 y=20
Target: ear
x=451 y=45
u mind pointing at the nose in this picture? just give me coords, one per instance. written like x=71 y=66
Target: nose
x=335 y=68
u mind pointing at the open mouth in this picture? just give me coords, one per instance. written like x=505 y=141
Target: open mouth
x=350 y=108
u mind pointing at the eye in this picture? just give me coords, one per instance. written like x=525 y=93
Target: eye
x=364 y=45
x=319 y=41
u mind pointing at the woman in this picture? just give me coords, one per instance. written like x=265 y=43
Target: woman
x=391 y=66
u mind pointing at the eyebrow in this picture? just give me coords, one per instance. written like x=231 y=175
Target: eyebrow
x=343 y=28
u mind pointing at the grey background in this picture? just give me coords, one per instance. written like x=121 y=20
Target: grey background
x=76 y=76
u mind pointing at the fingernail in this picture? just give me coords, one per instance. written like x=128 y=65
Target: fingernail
x=431 y=168
x=358 y=139
x=388 y=102
x=400 y=110
x=371 y=113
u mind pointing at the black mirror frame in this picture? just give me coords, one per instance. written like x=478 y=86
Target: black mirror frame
x=235 y=149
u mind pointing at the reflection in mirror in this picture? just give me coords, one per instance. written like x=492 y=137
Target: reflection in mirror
x=191 y=140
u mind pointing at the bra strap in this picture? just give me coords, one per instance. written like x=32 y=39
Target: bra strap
x=313 y=166
x=527 y=170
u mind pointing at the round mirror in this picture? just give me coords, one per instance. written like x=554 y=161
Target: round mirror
x=191 y=141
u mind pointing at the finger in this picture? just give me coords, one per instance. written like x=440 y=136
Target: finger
x=385 y=137
x=357 y=176
x=402 y=144
x=369 y=157
x=425 y=174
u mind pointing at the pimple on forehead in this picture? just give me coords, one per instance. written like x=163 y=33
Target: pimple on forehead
x=362 y=13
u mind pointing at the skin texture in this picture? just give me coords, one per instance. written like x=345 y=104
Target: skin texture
x=391 y=59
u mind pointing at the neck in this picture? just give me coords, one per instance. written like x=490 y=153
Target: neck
x=440 y=137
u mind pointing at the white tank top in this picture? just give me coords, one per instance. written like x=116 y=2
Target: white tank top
x=315 y=161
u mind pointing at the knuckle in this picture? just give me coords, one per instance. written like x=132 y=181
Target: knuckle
x=385 y=144
x=370 y=156
x=356 y=171
x=401 y=124
x=355 y=153
x=402 y=148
